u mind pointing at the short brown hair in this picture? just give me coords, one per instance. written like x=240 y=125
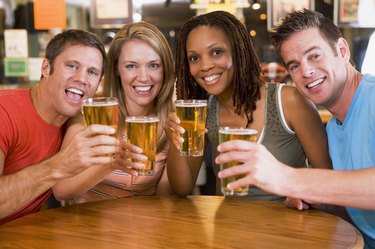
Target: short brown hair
x=300 y=20
x=73 y=37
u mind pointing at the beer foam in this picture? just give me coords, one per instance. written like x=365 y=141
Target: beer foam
x=238 y=131
x=99 y=103
x=191 y=104
x=141 y=119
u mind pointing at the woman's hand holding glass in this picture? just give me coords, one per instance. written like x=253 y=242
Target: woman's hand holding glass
x=173 y=130
x=123 y=159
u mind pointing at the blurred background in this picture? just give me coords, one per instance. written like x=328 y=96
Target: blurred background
x=104 y=17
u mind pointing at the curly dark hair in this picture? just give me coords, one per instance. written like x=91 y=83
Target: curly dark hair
x=246 y=83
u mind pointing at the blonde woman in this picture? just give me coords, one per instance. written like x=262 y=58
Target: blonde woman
x=140 y=75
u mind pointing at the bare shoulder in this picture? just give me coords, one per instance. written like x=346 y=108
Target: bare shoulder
x=291 y=94
x=292 y=98
x=298 y=109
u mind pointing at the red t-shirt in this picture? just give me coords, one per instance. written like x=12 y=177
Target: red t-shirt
x=25 y=139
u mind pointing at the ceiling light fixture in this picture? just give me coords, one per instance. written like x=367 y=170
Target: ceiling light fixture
x=255 y=5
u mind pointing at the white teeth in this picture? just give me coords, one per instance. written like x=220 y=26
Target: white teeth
x=315 y=83
x=212 y=77
x=75 y=90
x=142 y=88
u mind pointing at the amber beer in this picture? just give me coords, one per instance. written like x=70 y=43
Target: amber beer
x=192 y=114
x=227 y=134
x=101 y=110
x=143 y=132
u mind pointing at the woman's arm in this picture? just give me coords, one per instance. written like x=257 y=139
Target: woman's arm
x=164 y=187
x=182 y=170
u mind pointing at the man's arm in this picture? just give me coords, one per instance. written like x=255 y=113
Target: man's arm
x=74 y=186
x=353 y=188
x=22 y=187
x=85 y=150
x=345 y=188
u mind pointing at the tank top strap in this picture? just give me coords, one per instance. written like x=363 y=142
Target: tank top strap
x=274 y=125
x=212 y=117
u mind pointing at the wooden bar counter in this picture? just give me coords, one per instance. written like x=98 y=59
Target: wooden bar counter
x=171 y=222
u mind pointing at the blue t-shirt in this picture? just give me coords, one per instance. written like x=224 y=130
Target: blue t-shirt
x=352 y=144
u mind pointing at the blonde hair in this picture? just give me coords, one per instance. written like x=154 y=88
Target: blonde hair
x=149 y=34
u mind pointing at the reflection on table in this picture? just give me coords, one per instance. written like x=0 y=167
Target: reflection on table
x=171 y=222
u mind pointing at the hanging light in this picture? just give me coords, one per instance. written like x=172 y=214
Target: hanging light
x=255 y=5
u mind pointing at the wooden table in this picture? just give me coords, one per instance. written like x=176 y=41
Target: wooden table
x=171 y=222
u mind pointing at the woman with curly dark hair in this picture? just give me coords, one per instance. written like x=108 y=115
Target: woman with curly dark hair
x=215 y=60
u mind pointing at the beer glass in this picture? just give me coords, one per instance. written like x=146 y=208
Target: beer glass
x=192 y=114
x=101 y=110
x=227 y=134
x=143 y=132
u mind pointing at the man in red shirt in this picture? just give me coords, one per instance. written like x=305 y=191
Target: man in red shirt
x=33 y=124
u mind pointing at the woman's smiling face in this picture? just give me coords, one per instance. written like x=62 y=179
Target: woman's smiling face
x=141 y=71
x=210 y=58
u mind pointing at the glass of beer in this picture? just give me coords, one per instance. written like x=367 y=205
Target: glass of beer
x=227 y=134
x=101 y=110
x=192 y=114
x=143 y=132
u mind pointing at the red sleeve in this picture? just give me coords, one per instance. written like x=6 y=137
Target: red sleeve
x=6 y=130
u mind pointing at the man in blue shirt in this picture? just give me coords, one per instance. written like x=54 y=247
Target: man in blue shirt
x=318 y=60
